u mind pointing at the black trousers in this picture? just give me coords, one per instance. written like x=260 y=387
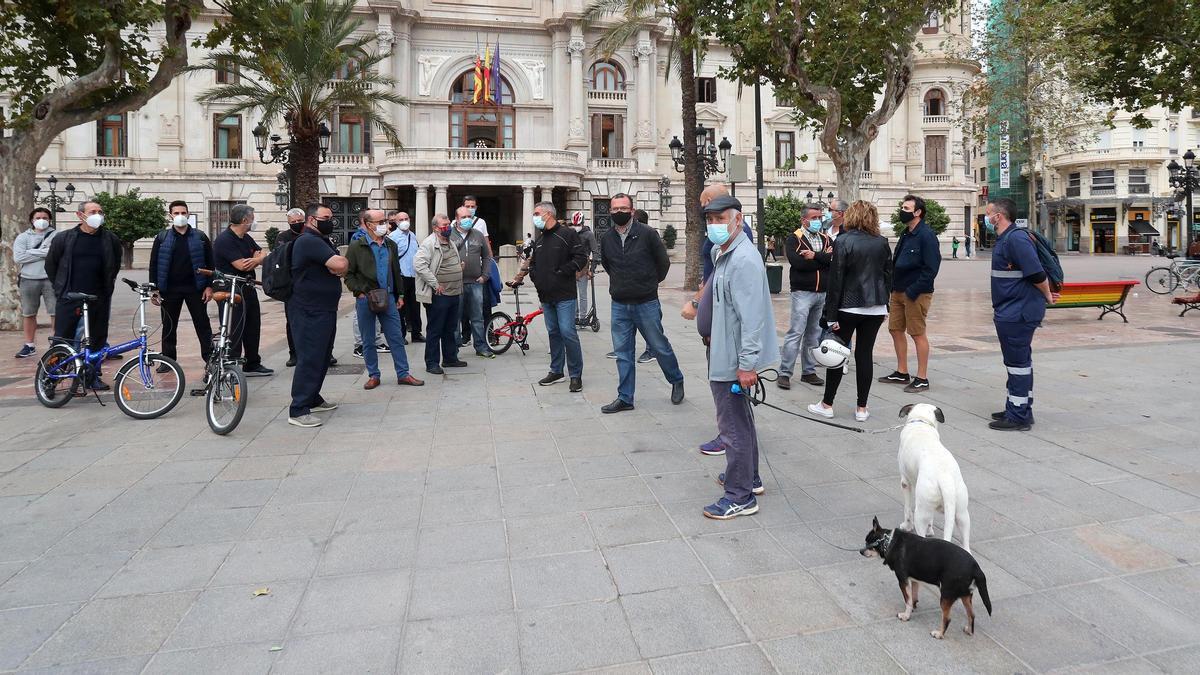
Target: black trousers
x=411 y=314
x=863 y=328
x=314 y=334
x=172 y=308
x=68 y=313
x=245 y=327
x=287 y=324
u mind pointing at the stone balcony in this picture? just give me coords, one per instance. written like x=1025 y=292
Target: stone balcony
x=482 y=166
x=612 y=165
x=937 y=121
x=602 y=97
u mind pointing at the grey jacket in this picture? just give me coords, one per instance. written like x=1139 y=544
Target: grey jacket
x=29 y=251
x=475 y=252
x=743 y=324
x=590 y=244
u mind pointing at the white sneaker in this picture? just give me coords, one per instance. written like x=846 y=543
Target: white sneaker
x=818 y=409
x=861 y=415
x=306 y=421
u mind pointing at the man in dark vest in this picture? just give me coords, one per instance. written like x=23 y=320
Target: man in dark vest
x=177 y=253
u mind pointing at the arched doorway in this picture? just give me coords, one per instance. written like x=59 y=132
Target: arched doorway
x=481 y=124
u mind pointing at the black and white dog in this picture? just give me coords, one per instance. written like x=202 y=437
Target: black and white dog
x=937 y=562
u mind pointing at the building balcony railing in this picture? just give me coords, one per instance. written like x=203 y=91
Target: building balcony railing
x=226 y=164
x=936 y=120
x=1145 y=153
x=410 y=165
x=111 y=162
x=1102 y=191
x=1139 y=188
x=356 y=84
x=612 y=164
x=867 y=177
x=787 y=174
x=605 y=96
x=937 y=178
x=349 y=159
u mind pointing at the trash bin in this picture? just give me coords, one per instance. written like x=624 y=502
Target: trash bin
x=775 y=277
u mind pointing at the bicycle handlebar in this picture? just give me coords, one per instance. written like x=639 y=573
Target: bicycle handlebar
x=216 y=274
x=133 y=285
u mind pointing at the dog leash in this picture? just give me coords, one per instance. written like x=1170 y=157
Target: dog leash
x=758 y=396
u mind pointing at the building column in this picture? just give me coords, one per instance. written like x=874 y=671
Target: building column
x=439 y=202
x=402 y=71
x=642 y=130
x=421 y=217
x=526 y=211
x=576 y=136
x=552 y=84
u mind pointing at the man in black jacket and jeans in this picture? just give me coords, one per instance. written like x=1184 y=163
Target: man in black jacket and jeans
x=809 y=251
x=557 y=256
x=636 y=261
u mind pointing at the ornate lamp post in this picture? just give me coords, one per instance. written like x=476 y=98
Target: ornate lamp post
x=283 y=191
x=713 y=158
x=281 y=153
x=1185 y=178
x=53 y=201
x=664 y=193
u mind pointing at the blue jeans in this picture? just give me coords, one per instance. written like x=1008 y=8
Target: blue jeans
x=804 y=333
x=392 y=332
x=645 y=317
x=440 y=345
x=564 y=340
x=471 y=311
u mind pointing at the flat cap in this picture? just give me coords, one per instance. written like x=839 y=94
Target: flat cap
x=722 y=204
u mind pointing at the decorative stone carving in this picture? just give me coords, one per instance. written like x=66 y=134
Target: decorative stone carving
x=536 y=71
x=575 y=47
x=644 y=50
x=386 y=38
x=662 y=67
x=576 y=127
x=914 y=150
x=429 y=64
x=169 y=127
x=646 y=130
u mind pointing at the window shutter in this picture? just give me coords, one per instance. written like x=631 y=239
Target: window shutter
x=235 y=139
x=597 y=135
x=618 y=150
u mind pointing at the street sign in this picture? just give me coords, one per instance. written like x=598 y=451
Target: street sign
x=1021 y=222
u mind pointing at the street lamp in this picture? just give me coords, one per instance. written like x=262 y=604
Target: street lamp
x=283 y=193
x=664 y=193
x=281 y=153
x=713 y=159
x=53 y=201
x=1185 y=178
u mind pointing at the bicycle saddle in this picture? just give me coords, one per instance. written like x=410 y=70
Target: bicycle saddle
x=222 y=296
x=1171 y=256
x=85 y=297
x=516 y=285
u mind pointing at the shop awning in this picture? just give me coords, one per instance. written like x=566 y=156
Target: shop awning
x=1143 y=228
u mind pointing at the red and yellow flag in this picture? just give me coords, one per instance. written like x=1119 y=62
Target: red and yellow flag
x=487 y=76
x=479 y=88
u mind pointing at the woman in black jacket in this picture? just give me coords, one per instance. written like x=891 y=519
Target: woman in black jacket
x=856 y=302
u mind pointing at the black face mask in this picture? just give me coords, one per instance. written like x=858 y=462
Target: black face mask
x=297 y=228
x=325 y=227
x=907 y=216
x=621 y=218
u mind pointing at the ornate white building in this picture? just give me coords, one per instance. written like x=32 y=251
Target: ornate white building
x=571 y=127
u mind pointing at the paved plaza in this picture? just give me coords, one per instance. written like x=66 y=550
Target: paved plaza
x=483 y=524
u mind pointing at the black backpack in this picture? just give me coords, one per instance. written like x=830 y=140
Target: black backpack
x=277 y=273
x=1049 y=260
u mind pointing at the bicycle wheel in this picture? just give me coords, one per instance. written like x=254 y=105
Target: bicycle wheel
x=142 y=392
x=1162 y=280
x=1191 y=281
x=499 y=333
x=57 y=375
x=225 y=400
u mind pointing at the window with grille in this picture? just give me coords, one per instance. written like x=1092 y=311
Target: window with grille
x=785 y=149
x=1074 y=182
x=218 y=215
x=1139 y=182
x=1104 y=181
x=932 y=23
x=706 y=90
x=227 y=137
x=111 y=136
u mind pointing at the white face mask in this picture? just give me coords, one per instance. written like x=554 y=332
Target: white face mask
x=381 y=230
x=253 y=226
x=577 y=228
x=95 y=220
x=41 y=224
x=404 y=226
x=179 y=221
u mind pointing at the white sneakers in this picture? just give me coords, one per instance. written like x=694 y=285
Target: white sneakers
x=827 y=413
x=861 y=415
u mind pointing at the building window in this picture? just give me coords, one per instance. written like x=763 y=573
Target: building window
x=227 y=137
x=1104 y=139
x=1074 y=182
x=935 y=155
x=932 y=23
x=490 y=124
x=706 y=90
x=111 y=137
x=935 y=103
x=463 y=91
x=350 y=70
x=1139 y=182
x=785 y=149
x=1104 y=181
x=608 y=136
x=218 y=215
x=354 y=134
x=1139 y=138
x=227 y=73
x=867 y=161
x=606 y=76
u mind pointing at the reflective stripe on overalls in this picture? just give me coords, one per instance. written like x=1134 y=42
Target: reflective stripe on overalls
x=1016 y=338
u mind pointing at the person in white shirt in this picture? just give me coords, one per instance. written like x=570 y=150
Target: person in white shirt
x=480 y=224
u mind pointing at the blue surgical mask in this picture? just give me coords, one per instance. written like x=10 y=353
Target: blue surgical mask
x=539 y=222
x=814 y=225
x=826 y=218
x=466 y=223
x=718 y=233
x=989 y=225
x=472 y=210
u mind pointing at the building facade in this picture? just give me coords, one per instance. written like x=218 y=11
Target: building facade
x=571 y=127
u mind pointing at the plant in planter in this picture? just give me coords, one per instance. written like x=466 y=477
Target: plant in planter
x=131 y=217
x=782 y=216
x=669 y=236
x=272 y=234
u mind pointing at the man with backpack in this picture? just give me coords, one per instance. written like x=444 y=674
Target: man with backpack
x=1021 y=289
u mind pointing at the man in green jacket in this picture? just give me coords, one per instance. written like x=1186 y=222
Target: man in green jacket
x=373 y=265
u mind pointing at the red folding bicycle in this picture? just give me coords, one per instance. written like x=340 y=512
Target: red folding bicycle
x=503 y=330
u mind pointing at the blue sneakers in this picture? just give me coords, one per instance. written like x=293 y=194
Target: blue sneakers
x=757 y=489
x=26 y=351
x=726 y=510
x=713 y=447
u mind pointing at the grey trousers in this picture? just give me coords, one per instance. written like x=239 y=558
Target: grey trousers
x=735 y=428
x=581 y=294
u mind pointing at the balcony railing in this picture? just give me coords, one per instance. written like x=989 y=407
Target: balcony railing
x=351 y=159
x=227 y=164
x=937 y=178
x=514 y=159
x=612 y=164
x=1139 y=188
x=605 y=96
x=867 y=176
x=787 y=174
x=1103 y=191
x=111 y=162
x=356 y=84
x=937 y=120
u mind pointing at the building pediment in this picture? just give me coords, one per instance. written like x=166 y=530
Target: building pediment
x=782 y=118
x=708 y=113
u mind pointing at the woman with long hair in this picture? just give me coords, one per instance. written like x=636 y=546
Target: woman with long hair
x=856 y=302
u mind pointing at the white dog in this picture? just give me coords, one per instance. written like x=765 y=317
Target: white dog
x=930 y=477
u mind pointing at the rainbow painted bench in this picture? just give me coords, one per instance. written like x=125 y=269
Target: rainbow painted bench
x=1109 y=296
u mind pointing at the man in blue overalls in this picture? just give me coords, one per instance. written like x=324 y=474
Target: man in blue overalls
x=1020 y=293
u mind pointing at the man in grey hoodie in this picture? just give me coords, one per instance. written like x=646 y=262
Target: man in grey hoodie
x=475 y=252
x=29 y=251
x=742 y=342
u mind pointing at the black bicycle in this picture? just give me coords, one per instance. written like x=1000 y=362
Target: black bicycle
x=224 y=382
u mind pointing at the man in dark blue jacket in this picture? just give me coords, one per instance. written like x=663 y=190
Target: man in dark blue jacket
x=915 y=264
x=177 y=253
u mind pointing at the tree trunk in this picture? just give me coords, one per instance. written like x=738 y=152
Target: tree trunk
x=306 y=157
x=849 y=175
x=17 y=165
x=693 y=177
x=127 y=255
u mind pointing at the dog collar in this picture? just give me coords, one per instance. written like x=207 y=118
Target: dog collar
x=920 y=421
x=885 y=543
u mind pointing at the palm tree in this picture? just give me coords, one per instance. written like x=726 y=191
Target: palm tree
x=686 y=46
x=316 y=66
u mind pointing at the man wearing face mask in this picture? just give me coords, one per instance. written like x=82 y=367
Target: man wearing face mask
x=235 y=252
x=915 y=263
x=557 y=257
x=177 y=253
x=439 y=287
x=406 y=249
x=742 y=343
x=295 y=221
x=835 y=217
x=85 y=259
x=29 y=251
x=809 y=251
x=480 y=224
x=475 y=255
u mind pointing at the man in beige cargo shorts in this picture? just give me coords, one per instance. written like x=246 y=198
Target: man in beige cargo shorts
x=915 y=262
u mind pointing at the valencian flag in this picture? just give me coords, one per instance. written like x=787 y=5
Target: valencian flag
x=497 y=96
x=487 y=75
x=479 y=88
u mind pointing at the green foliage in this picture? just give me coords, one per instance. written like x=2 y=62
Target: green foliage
x=935 y=217
x=784 y=213
x=669 y=236
x=272 y=234
x=131 y=216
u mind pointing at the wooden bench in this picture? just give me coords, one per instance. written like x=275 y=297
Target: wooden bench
x=1189 y=303
x=1109 y=296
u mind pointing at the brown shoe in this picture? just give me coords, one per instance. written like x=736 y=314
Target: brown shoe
x=411 y=381
x=784 y=382
x=813 y=379
x=372 y=382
